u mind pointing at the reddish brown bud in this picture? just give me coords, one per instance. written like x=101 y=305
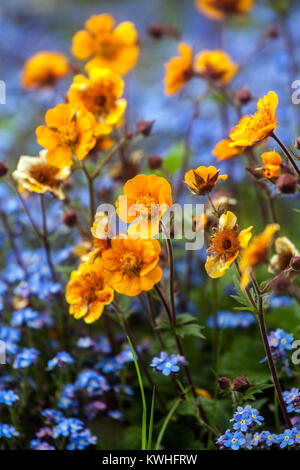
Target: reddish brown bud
x=144 y=127
x=3 y=169
x=243 y=95
x=297 y=143
x=69 y=183
x=224 y=383
x=160 y=30
x=154 y=162
x=69 y=218
x=241 y=384
x=273 y=32
x=286 y=183
x=295 y=263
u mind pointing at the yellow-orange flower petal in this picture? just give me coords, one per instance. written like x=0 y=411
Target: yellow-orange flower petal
x=256 y=252
x=219 y=9
x=253 y=129
x=101 y=95
x=178 y=69
x=223 y=151
x=203 y=179
x=115 y=49
x=44 y=69
x=225 y=245
x=69 y=130
x=272 y=164
x=87 y=292
x=131 y=265
x=215 y=65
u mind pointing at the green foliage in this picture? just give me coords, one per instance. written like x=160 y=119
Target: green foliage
x=186 y=325
x=172 y=160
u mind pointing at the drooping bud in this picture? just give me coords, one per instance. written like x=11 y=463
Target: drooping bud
x=154 y=162
x=223 y=383
x=295 y=263
x=243 y=95
x=297 y=143
x=3 y=169
x=160 y=30
x=273 y=32
x=286 y=183
x=69 y=218
x=144 y=127
x=241 y=384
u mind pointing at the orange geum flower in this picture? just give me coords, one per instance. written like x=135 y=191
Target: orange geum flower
x=225 y=245
x=255 y=254
x=203 y=179
x=131 y=265
x=101 y=95
x=253 y=129
x=223 y=151
x=272 y=164
x=216 y=66
x=36 y=175
x=219 y=9
x=179 y=70
x=43 y=69
x=87 y=292
x=146 y=199
x=115 y=49
x=69 y=131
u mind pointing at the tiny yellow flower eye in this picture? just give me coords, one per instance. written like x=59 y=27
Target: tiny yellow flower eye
x=270 y=438
x=242 y=421
x=283 y=341
x=233 y=441
x=286 y=438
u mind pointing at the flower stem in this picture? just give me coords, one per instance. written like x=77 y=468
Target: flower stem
x=172 y=271
x=264 y=336
x=287 y=153
x=45 y=240
x=90 y=182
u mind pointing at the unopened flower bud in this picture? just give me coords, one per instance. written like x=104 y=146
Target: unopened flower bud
x=280 y=284
x=297 y=143
x=144 y=127
x=243 y=95
x=286 y=183
x=295 y=263
x=273 y=32
x=3 y=169
x=69 y=218
x=224 y=383
x=154 y=162
x=241 y=384
x=160 y=30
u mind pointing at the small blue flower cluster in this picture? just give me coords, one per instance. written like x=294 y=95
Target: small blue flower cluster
x=62 y=427
x=61 y=359
x=165 y=364
x=292 y=400
x=280 y=343
x=231 y=320
x=242 y=437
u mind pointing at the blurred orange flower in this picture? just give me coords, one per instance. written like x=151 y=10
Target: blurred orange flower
x=225 y=245
x=272 y=163
x=253 y=129
x=256 y=252
x=147 y=198
x=36 y=175
x=69 y=131
x=179 y=69
x=215 y=65
x=111 y=48
x=131 y=265
x=223 y=151
x=203 y=179
x=87 y=293
x=285 y=251
x=101 y=95
x=43 y=69
x=219 y=9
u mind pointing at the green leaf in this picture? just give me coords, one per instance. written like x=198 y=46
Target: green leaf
x=255 y=389
x=172 y=161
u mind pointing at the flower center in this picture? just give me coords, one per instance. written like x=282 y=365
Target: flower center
x=44 y=173
x=68 y=134
x=286 y=438
x=131 y=263
x=233 y=440
x=225 y=243
x=149 y=206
